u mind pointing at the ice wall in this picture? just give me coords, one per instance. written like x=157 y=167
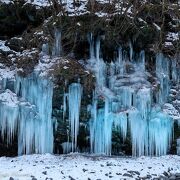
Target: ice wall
x=129 y=103
x=26 y=112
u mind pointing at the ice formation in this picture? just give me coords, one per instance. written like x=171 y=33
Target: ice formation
x=74 y=102
x=128 y=103
x=27 y=113
x=57 y=48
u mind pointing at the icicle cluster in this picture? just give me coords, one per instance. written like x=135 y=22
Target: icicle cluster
x=128 y=101
x=74 y=105
x=28 y=115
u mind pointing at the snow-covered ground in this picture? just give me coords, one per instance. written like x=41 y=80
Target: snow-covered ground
x=86 y=167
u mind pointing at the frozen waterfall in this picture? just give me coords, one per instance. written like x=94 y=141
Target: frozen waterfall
x=29 y=114
x=128 y=103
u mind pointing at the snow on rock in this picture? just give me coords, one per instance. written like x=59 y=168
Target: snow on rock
x=172 y=36
x=83 y=167
x=169 y=109
x=42 y=3
x=9 y=98
x=6 y=1
x=6 y=72
x=3 y=47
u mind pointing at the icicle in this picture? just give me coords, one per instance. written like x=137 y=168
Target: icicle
x=126 y=96
x=57 y=49
x=101 y=128
x=74 y=99
x=139 y=133
x=143 y=102
x=119 y=62
x=100 y=67
x=162 y=72
x=91 y=49
x=131 y=50
x=64 y=104
x=9 y=112
x=120 y=122
x=160 y=133
x=45 y=49
x=142 y=60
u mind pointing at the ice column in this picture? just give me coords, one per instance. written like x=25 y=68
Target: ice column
x=101 y=129
x=57 y=49
x=162 y=72
x=35 y=123
x=74 y=99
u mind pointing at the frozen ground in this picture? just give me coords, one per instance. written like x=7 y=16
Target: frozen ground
x=85 y=167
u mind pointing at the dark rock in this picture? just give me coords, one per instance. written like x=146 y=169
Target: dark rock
x=71 y=178
x=134 y=172
x=149 y=176
x=84 y=170
x=11 y=178
x=34 y=178
x=44 y=172
x=128 y=175
x=118 y=174
x=109 y=164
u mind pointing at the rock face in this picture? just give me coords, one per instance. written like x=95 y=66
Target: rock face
x=111 y=50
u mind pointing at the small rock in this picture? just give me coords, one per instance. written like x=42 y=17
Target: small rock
x=134 y=172
x=149 y=176
x=84 y=170
x=34 y=178
x=71 y=178
x=44 y=172
x=165 y=173
x=154 y=174
x=109 y=164
x=118 y=174
x=128 y=175
x=11 y=178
